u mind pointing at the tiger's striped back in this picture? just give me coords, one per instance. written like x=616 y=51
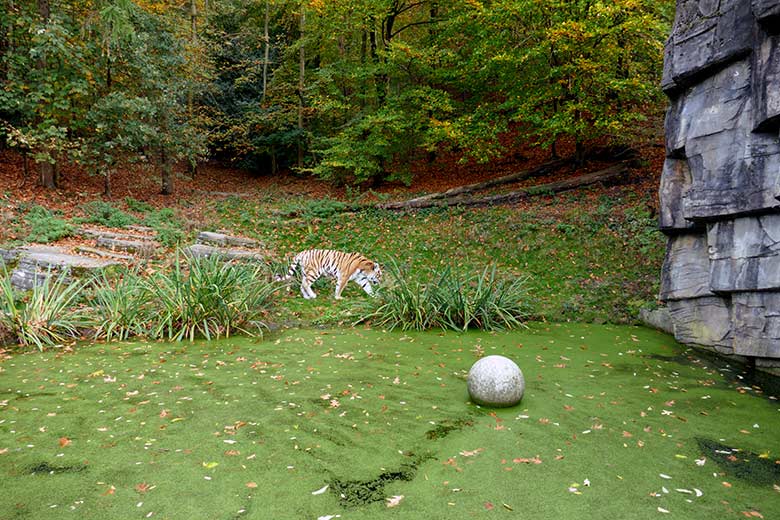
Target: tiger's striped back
x=314 y=263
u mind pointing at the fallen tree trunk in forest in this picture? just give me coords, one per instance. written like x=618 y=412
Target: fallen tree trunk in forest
x=479 y=186
x=543 y=189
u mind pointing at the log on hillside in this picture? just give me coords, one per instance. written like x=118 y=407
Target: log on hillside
x=610 y=173
x=479 y=186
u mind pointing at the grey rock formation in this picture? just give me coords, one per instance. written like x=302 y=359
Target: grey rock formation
x=210 y=238
x=32 y=265
x=720 y=187
x=203 y=250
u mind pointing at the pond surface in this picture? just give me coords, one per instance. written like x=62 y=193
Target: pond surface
x=312 y=423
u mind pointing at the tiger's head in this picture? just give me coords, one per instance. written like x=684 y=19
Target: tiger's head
x=372 y=271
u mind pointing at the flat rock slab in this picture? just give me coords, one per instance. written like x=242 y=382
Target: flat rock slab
x=36 y=263
x=221 y=239
x=203 y=250
x=89 y=232
x=144 y=247
x=104 y=254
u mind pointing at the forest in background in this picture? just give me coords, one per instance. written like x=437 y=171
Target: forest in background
x=350 y=91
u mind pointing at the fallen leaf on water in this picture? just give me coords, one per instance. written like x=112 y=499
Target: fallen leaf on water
x=321 y=490
x=251 y=485
x=64 y=441
x=662 y=510
x=143 y=487
x=726 y=484
x=467 y=453
x=534 y=460
x=394 y=500
x=489 y=506
x=210 y=465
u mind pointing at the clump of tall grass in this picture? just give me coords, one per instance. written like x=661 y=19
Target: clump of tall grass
x=207 y=297
x=48 y=315
x=449 y=300
x=120 y=304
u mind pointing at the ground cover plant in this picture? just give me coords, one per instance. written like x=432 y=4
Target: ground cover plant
x=448 y=299
x=363 y=423
x=587 y=256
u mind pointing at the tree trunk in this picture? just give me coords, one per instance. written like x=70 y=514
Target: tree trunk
x=610 y=173
x=193 y=162
x=301 y=85
x=267 y=50
x=45 y=169
x=167 y=172
x=107 y=183
x=471 y=188
x=579 y=152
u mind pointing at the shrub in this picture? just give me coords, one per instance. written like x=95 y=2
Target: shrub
x=138 y=205
x=207 y=297
x=167 y=225
x=48 y=315
x=449 y=301
x=407 y=304
x=45 y=226
x=105 y=214
x=481 y=301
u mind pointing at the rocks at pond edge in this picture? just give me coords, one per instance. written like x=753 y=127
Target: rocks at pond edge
x=720 y=186
x=32 y=265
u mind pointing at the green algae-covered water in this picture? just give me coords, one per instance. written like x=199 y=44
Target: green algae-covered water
x=619 y=422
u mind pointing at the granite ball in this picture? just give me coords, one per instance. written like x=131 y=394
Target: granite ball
x=496 y=381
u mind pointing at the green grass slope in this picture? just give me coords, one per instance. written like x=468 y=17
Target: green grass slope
x=616 y=421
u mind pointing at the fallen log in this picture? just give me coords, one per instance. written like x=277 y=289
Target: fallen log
x=479 y=186
x=610 y=173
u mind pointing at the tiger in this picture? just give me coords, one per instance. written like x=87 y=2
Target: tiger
x=344 y=267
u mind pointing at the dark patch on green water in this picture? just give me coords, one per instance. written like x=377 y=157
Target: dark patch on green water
x=744 y=465
x=732 y=372
x=355 y=493
x=446 y=427
x=44 y=468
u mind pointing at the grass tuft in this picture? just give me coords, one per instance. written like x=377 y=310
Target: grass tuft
x=449 y=301
x=207 y=297
x=48 y=315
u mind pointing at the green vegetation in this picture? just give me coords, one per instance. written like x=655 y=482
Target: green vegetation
x=582 y=259
x=106 y=214
x=207 y=297
x=45 y=226
x=47 y=316
x=199 y=297
x=351 y=91
x=449 y=300
x=613 y=419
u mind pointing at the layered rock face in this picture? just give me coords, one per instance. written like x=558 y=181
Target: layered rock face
x=720 y=187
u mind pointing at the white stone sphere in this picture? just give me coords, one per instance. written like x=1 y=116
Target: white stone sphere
x=496 y=381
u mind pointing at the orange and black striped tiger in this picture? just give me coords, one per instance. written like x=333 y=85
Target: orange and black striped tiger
x=344 y=267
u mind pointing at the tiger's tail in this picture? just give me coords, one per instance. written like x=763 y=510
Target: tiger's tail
x=293 y=266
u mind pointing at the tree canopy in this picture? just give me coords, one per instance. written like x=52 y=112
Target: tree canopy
x=347 y=90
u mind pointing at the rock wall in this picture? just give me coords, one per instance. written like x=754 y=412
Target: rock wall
x=720 y=186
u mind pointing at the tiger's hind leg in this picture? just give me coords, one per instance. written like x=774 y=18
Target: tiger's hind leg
x=307 y=279
x=340 y=283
